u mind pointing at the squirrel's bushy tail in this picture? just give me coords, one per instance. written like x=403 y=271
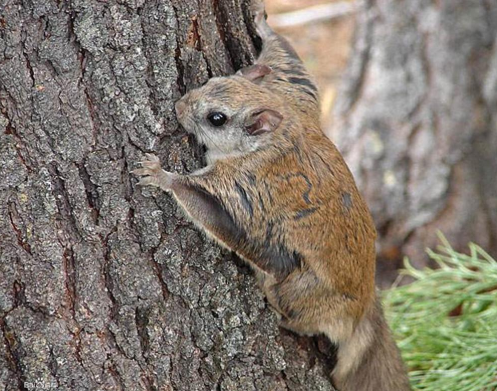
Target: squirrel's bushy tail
x=370 y=360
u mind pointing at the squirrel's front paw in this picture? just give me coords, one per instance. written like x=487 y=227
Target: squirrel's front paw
x=152 y=174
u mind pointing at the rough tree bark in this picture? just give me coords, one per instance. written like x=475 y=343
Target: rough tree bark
x=104 y=286
x=417 y=122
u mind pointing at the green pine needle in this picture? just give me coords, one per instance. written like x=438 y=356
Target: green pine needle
x=445 y=322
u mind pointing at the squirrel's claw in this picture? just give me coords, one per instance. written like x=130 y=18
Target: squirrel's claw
x=152 y=174
x=150 y=166
x=141 y=172
x=148 y=181
x=151 y=157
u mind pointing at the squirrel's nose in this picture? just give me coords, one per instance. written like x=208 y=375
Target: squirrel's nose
x=180 y=107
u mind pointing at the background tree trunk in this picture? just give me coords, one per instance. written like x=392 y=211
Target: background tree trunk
x=417 y=122
x=104 y=286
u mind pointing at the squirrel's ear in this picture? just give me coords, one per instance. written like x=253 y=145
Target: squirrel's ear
x=263 y=121
x=254 y=73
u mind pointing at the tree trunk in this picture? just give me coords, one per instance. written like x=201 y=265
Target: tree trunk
x=417 y=122
x=104 y=286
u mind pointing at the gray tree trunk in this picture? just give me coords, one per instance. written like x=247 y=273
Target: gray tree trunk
x=104 y=286
x=417 y=122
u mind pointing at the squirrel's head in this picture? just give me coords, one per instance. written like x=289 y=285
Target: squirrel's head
x=231 y=115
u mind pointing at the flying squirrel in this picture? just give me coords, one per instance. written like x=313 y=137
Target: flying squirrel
x=277 y=192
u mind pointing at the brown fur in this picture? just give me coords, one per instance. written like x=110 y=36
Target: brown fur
x=284 y=200
x=380 y=366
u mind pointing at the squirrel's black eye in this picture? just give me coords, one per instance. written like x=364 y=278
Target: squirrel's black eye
x=217 y=118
